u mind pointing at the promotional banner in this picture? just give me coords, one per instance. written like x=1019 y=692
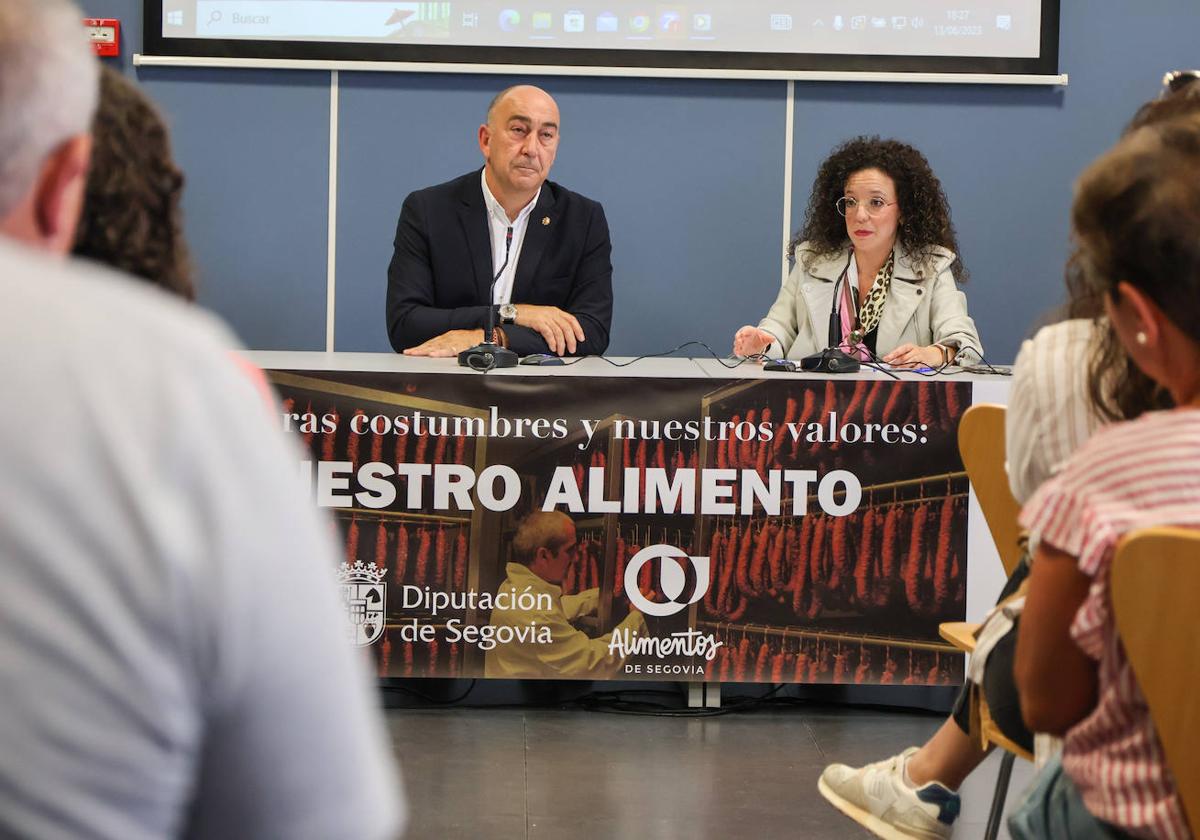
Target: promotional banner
x=765 y=530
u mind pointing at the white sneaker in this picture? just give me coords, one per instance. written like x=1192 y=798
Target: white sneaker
x=877 y=797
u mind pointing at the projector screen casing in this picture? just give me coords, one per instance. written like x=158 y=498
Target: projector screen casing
x=585 y=60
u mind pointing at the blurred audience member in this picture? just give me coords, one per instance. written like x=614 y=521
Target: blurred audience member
x=131 y=217
x=1135 y=214
x=174 y=658
x=48 y=92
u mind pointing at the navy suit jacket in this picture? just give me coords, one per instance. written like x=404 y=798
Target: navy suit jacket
x=442 y=266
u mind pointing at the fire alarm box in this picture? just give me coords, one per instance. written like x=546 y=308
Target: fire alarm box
x=105 y=34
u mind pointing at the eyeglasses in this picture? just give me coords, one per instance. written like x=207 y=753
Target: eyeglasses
x=847 y=205
x=1176 y=80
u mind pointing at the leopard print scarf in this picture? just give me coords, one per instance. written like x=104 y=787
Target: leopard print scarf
x=872 y=308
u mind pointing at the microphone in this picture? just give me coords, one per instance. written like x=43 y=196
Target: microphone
x=503 y=265
x=487 y=355
x=833 y=336
x=833 y=359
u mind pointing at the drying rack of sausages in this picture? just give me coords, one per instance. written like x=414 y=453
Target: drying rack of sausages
x=752 y=653
x=897 y=552
x=854 y=598
x=584 y=570
x=897 y=562
x=416 y=547
x=422 y=550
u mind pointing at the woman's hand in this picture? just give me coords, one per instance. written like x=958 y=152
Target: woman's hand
x=750 y=341
x=910 y=355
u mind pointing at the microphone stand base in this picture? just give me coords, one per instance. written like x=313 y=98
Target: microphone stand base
x=487 y=356
x=830 y=361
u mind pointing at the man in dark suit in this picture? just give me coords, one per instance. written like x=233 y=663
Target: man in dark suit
x=549 y=246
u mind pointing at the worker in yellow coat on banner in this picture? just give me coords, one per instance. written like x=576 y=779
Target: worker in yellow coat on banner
x=545 y=644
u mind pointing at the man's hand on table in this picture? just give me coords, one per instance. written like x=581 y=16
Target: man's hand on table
x=447 y=345
x=560 y=329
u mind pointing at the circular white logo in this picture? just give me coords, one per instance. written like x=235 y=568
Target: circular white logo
x=672 y=579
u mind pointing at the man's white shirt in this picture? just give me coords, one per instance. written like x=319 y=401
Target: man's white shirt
x=498 y=224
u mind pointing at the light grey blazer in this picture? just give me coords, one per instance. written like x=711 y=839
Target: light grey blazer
x=923 y=307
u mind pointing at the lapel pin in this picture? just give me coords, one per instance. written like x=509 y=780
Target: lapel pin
x=545 y=220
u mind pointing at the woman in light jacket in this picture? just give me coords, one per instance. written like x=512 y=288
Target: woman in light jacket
x=877 y=233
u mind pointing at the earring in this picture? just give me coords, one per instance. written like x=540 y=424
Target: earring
x=1141 y=338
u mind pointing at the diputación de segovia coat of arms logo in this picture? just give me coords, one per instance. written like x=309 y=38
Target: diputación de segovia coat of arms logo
x=364 y=595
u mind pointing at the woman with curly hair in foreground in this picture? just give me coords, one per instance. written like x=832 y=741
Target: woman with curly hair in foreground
x=131 y=218
x=877 y=237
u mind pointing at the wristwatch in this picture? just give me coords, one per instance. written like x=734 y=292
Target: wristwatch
x=508 y=313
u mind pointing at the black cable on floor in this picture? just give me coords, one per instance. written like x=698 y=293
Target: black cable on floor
x=599 y=702
x=433 y=701
x=624 y=701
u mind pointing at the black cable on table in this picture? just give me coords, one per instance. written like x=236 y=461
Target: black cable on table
x=720 y=359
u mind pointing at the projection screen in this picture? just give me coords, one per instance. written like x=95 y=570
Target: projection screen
x=968 y=36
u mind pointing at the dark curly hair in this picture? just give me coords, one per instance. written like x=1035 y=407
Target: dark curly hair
x=924 y=211
x=131 y=217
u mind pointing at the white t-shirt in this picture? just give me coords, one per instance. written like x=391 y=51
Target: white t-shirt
x=171 y=656
x=1049 y=414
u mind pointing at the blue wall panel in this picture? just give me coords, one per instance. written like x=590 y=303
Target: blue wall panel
x=689 y=175
x=255 y=147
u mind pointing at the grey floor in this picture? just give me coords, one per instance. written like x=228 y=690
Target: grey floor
x=573 y=774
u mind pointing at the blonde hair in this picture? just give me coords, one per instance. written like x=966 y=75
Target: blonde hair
x=543 y=529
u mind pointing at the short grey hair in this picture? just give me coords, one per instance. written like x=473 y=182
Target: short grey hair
x=541 y=529
x=49 y=84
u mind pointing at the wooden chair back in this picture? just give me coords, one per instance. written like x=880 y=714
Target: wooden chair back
x=1154 y=580
x=961 y=634
x=981 y=445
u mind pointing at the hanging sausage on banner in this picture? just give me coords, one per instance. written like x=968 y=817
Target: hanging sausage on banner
x=765 y=530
